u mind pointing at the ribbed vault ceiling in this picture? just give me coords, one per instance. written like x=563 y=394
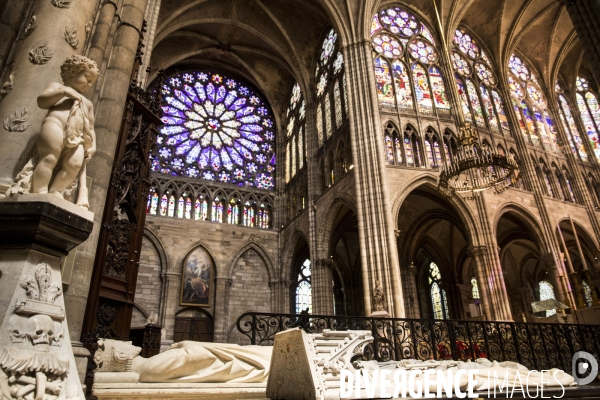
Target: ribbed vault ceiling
x=272 y=43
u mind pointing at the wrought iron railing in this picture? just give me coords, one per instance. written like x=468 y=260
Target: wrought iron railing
x=537 y=346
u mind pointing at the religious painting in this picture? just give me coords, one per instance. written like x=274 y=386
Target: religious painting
x=196 y=281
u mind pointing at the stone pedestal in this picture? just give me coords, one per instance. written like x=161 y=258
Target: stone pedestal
x=36 y=358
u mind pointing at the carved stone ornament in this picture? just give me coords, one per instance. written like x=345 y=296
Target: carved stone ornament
x=17 y=122
x=378 y=297
x=40 y=55
x=61 y=3
x=29 y=369
x=115 y=356
x=88 y=28
x=71 y=36
x=31 y=26
x=7 y=87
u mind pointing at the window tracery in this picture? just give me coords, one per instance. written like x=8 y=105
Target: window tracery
x=439 y=301
x=304 y=289
x=215 y=128
x=476 y=84
x=530 y=105
x=405 y=57
x=568 y=123
x=547 y=293
x=587 y=103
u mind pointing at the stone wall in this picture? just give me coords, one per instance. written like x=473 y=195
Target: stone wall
x=245 y=261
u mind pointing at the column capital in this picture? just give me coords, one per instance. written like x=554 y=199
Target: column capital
x=477 y=251
x=324 y=263
x=397 y=233
x=549 y=260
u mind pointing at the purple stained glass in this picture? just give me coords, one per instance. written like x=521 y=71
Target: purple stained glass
x=215 y=129
x=399 y=22
x=518 y=68
x=387 y=45
x=422 y=51
x=461 y=65
x=465 y=44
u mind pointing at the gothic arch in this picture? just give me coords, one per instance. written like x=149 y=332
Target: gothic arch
x=206 y=247
x=327 y=225
x=528 y=219
x=154 y=239
x=251 y=245
x=288 y=252
x=460 y=206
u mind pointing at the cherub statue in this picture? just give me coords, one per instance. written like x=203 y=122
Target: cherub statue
x=67 y=140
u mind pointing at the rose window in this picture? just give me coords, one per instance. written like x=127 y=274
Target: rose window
x=518 y=68
x=422 y=51
x=485 y=74
x=465 y=44
x=217 y=129
x=399 y=22
x=328 y=46
x=460 y=64
x=388 y=46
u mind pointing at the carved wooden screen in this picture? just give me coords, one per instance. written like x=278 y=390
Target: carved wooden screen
x=111 y=296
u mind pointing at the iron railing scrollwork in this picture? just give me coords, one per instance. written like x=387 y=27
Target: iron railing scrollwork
x=537 y=346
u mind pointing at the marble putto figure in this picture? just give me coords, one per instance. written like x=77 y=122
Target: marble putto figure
x=67 y=140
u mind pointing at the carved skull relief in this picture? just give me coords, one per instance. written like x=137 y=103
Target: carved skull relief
x=41 y=332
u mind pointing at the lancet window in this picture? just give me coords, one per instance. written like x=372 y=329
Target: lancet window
x=304 y=289
x=589 y=110
x=529 y=101
x=331 y=88
x=568 y=122
x=476 y=84
x=547 y=293
x=439 y=301
x=405 y=58
x=294 y=132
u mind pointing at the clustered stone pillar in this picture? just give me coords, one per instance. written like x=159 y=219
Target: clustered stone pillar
x=379 y=257
x=322 y=276
x=109 y=114
x=585 y=15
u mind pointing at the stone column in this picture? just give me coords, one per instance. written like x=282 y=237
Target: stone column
x=585 y=15
x=13 y=19
x=483 y=282
x=409 y=288
x=378 y=252
x=36 y=62
x=109 y=114
x=322 y=287
x=36 y=231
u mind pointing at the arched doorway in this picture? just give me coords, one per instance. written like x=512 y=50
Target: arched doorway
x=301 y=278
x=193 y=324
x=580 y=260
x=436 y=269
x=526 y=269
x=347 y=276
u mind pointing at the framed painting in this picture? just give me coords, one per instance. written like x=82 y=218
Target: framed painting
x=196 y=283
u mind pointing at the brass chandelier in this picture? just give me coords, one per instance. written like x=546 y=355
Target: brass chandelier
x=476 y=167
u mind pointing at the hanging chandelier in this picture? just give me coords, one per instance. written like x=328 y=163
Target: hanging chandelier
x=476 y=167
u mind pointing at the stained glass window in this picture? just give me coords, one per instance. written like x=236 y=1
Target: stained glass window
x=197 y=211
x=217 y=211
x=248 y=214
x=399 y=39
x=171 y=208
x=337 y=100
x=551 y=130
x=476 y=87
x=475 y=289
x=164 y=201
x=383 y=79
x=216 y=128
x=436 y=152
x=294 y=159
x=398 y=150
x=408 y=151
x=188 y=208
x=475 y=105
x=404 y=96
x=438 y=295
x=319 y=125
x=301 y=148
x=547 y=293
x=389 y=151
x=587 y=293
x=464 y=102
x=328 y=129
x=586 y=110
x=429 y=151
x=422 y=91
x=180 y=207
x=571 y=127
x=304 y=289
x=233 y=212
x=154 y=203
x=263 y=216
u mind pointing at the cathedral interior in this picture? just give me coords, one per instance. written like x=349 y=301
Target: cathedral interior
x=296 y=164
